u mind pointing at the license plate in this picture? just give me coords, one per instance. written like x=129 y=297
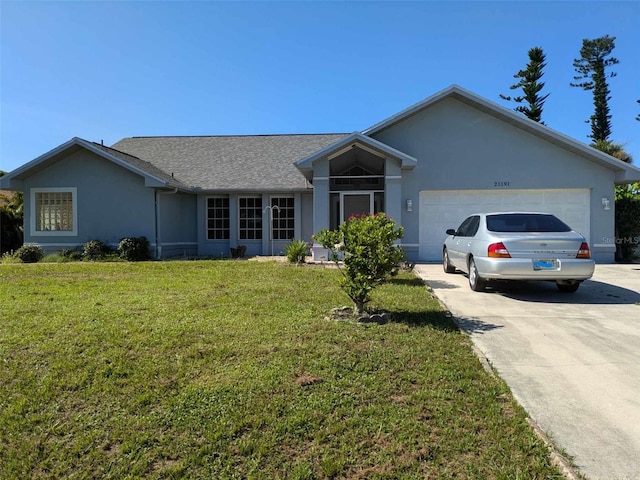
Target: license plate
x=545 y=264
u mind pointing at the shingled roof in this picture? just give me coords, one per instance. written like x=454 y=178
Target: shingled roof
x=143 y=165
x=236 y=162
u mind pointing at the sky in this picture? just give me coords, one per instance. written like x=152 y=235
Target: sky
x=105 y=70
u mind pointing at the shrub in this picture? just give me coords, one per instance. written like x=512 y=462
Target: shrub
x=29 y=254
x=370 y=256
x=9 y=257
x=134 y=249
x=95 y=250
x=296 y=251
x=11 y=221
x=71 y=254
x=54 y=258
x=627 y=228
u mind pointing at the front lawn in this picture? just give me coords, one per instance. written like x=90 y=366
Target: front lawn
x=228 y=369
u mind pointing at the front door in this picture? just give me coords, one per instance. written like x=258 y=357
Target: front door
x=356 y=204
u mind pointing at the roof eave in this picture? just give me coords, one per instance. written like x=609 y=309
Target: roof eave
x=8 y=183
x=630 y=174
x=250 y=191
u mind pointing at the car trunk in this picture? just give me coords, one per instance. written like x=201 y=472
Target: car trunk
x=542 y=245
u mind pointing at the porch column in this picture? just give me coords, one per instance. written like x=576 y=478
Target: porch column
x=320 y=214
x=233 y=222
x=393 y=191
x=297 y=216
x=267 y=215
x=320 y=203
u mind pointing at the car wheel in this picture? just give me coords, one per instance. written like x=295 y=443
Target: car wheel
x=446 y=265
x=565 y=287
x=476 y=283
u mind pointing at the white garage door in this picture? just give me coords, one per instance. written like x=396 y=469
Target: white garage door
x=440 y=210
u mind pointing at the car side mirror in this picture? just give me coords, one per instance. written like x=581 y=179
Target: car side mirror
x=451 y=231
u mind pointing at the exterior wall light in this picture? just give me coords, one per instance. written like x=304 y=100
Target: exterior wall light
x=409 y=206
x=606 y=203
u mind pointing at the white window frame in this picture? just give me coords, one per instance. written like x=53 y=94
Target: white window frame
x=33 y=220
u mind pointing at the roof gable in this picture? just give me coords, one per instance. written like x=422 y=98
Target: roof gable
x=305 y=165
x=153 y=176
x=624 y=172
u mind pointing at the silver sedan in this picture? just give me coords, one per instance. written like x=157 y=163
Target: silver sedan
x=517 y=246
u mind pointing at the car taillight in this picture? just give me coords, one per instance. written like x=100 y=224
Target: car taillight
x=498 y=250
x=584 y=251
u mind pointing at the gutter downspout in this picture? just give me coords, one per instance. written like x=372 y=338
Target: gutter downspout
x=157 y=220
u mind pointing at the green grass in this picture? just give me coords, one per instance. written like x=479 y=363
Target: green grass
x=228 y=369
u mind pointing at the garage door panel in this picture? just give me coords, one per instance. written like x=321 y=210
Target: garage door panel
x=440 y=210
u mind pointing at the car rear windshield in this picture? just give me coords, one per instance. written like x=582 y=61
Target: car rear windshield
x=525 y=222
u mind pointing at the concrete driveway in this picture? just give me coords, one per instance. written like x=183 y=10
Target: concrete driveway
x=571 y=360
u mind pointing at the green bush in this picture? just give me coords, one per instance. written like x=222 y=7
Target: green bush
x=29 y=254
x=95 y=250
x=134 y=249
x=9 y=257
x=54 y=258
x=296 y=251
x=71 y=254
x=11 y=221
x=627 y=228
x=369 y=254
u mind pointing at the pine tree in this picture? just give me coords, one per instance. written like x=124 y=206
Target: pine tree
x=531 y=86
x=591 y=68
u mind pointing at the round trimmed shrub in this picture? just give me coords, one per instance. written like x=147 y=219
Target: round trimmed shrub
x=134 y=249
x=29 y=254
x=95 y=250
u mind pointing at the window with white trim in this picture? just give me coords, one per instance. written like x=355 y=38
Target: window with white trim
x=283 y=222
x=54 y=211
x=250 y=218
x=218 y=218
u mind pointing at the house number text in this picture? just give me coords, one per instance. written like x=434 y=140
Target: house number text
x=501 y=184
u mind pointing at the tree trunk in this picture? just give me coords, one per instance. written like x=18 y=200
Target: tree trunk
x=358 y=308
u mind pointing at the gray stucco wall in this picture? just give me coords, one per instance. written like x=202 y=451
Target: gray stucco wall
x=177 y=228
x=111 y=202
x=459 y=148
x=306 y=216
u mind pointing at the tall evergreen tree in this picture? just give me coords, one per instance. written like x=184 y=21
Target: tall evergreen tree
x=531 y=86
x=591 y=69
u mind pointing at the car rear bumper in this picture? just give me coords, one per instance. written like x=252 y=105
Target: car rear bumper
x=523 y=269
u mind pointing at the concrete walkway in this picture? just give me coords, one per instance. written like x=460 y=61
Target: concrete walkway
x=571 y=360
